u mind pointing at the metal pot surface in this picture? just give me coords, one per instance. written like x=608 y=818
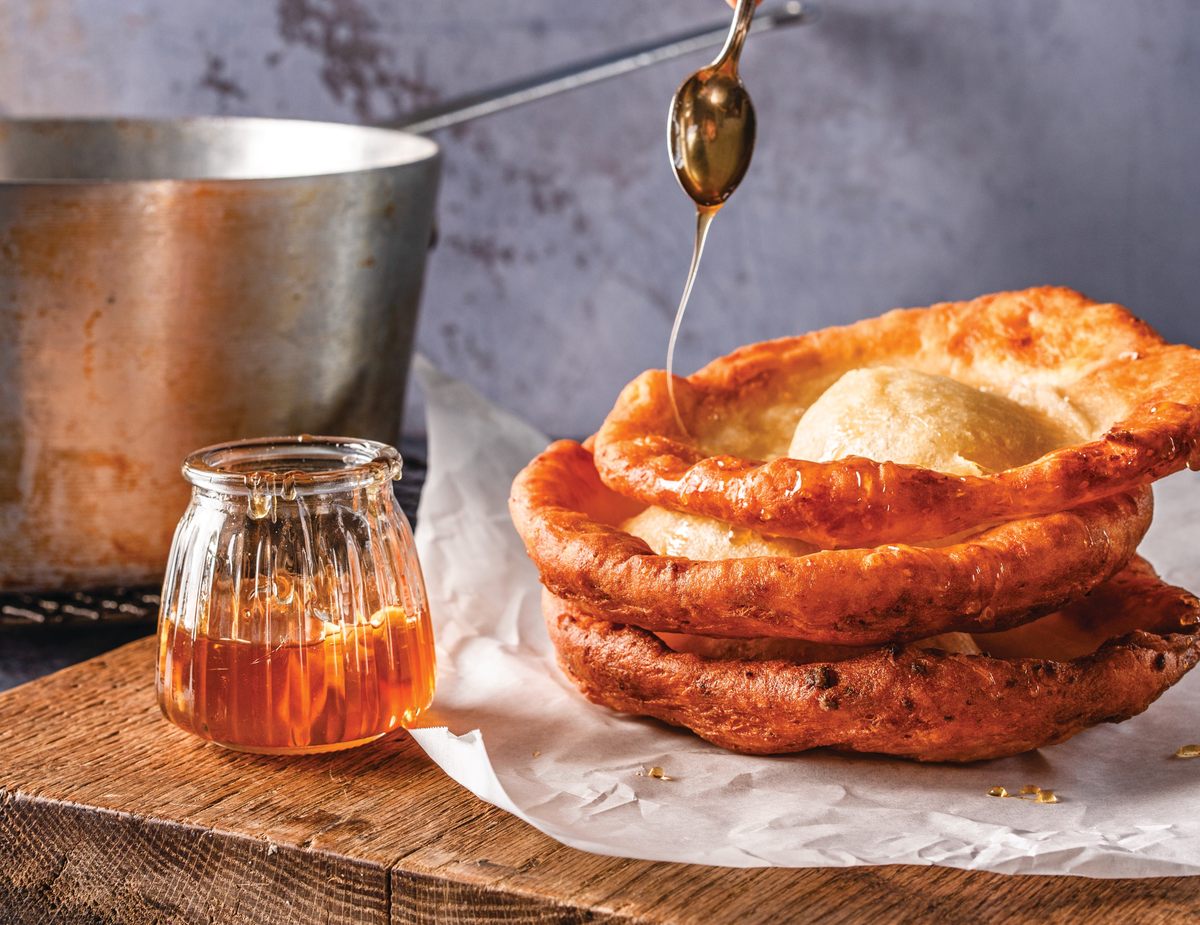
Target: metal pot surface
x=178 y=283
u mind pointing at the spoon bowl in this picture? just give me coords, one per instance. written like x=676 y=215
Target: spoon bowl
x=711 y=134
x=711 y=127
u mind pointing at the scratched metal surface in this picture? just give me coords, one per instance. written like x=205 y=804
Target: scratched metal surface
x=908 y=152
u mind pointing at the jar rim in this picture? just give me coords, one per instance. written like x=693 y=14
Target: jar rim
x=302 y=464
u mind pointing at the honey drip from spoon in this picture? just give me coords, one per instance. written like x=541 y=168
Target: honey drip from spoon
x=710 y=136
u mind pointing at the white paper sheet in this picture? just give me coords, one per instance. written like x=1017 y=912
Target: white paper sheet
x=513 y=731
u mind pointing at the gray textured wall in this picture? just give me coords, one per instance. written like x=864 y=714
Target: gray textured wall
x=908 y=152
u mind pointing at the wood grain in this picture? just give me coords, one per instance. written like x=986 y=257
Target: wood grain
x=108 y=814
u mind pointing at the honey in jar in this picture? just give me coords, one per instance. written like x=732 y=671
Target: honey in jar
x=294 y=617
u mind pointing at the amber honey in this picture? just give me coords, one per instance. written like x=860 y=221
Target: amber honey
x=345 y=684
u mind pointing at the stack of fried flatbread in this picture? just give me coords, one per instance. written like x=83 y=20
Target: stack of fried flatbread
x=914 y=535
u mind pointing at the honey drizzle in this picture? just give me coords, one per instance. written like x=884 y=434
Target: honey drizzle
x=704 y=217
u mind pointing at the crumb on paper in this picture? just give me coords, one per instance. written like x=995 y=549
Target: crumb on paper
x=1030 y=793
x=537 y=753
x=656 y=772
x=1188 y=751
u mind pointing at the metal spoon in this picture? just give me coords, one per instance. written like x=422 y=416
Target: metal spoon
x=710 y=131
x=710 y=135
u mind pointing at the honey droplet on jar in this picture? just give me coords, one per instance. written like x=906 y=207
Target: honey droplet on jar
x=262 y=500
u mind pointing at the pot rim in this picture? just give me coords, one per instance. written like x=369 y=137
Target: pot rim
x=391 y=148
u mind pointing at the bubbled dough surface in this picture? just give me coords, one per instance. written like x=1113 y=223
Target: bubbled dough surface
x=797 y=650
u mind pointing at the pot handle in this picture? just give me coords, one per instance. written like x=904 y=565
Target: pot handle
x=581 y=73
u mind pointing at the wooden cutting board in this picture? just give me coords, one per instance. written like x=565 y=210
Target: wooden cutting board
x=108 y=814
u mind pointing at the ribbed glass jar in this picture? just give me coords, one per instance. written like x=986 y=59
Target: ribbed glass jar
x=294 y=617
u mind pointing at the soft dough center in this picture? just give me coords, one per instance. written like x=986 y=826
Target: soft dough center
x=670 y=533
x=891 y=414
x=883 y=413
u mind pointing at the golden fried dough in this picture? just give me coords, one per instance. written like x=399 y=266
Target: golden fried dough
x=1001 y=577
x=905 y=701
x=1105 y=403
x=797 y=650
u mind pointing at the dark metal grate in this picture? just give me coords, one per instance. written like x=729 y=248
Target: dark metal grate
x=113 y=605
x=140 y=605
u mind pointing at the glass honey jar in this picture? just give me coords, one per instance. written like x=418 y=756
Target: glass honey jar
x=294 y=617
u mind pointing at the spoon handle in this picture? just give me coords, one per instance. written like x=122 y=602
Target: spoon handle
x=581 y=73
x=740 y=28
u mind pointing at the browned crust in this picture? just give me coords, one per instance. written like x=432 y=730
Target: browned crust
x=999 y=578
x=1148 y=391
x=926 y=705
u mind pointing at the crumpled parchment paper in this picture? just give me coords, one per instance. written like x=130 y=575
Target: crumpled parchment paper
x=510 y=729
